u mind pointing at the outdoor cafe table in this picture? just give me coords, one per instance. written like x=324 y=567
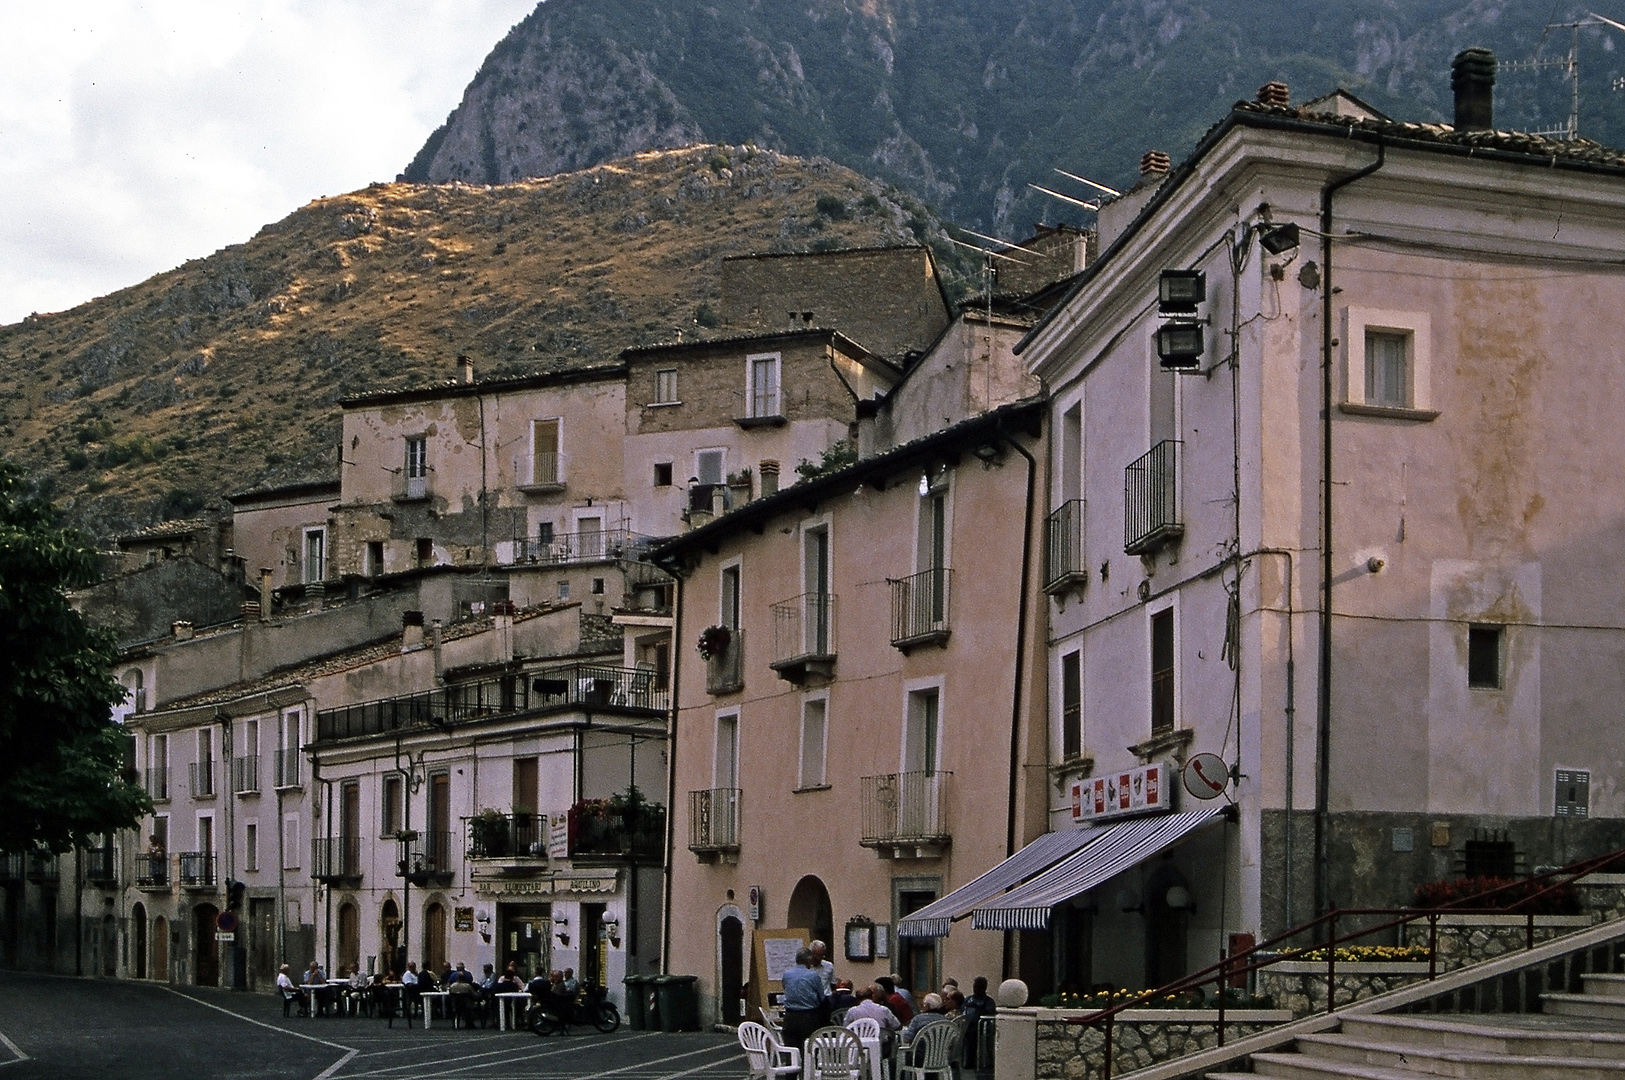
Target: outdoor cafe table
x=507 y=1004
x=313 y=994
x=443 y=997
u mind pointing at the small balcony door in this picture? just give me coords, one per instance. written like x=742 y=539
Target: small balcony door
x=933 y=555
x=917 y=808
x=816 y=618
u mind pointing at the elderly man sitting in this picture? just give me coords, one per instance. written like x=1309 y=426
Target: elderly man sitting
x=871 y=1007
x=932 y=1004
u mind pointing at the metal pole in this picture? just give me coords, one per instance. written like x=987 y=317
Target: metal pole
x=1331 y=959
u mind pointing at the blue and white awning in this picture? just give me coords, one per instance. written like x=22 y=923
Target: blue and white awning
x=934 y=920
x=1111 y=851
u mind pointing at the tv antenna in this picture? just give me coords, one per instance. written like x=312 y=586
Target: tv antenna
x=1569 y=65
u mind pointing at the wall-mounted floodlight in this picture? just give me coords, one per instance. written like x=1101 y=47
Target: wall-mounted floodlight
x=1179 y=345
x=1180 y=291
x=1279 y=239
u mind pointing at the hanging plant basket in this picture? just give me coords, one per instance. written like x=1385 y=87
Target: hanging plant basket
x=714 y=641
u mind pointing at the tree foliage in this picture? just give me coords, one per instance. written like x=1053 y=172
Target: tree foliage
x=62 y=758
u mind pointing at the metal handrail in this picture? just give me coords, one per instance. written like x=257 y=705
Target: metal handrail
x=1231 y=967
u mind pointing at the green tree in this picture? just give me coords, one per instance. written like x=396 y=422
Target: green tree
x=62 y=757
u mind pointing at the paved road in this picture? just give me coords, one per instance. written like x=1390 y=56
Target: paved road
x=54 y=1028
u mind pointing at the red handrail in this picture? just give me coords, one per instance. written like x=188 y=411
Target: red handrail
x=1227 y=967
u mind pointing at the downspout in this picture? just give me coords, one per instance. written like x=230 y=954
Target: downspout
x=1323 y=734
x=1020 y=667
x=671 y=774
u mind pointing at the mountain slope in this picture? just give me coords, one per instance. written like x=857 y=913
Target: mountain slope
x=966 y=102
x=223 y=373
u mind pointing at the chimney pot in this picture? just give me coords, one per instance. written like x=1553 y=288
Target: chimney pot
x=1275 y=92
x=411 y=630
x=1472 y=77
x=1154 y=163
x=182 y=630
x=467 y=364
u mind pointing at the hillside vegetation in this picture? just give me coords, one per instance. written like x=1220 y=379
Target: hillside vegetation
x=224 y=373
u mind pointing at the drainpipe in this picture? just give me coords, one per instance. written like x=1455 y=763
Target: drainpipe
x=1020 y=663
x=1323 y=734
x=671 y=773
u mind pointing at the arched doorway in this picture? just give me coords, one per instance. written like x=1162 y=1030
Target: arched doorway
x=349 y=936
x=809 y=907
x=731 y=967
x=109 y=947
x=389 y=932
x=205 y=948
x=1166 y=926
x=160 y=949
x=434 y=936
x=138 y=948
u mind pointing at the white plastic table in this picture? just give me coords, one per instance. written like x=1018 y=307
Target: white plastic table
x=443 y=997
x=507 y=1006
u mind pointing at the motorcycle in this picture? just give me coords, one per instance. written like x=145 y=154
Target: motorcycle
x=550 y=1012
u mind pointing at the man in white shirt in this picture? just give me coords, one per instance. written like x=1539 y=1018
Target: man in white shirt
x=872 y=1007
x=289 y=992
x=825 y=969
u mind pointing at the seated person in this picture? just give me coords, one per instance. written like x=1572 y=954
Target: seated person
x=871 y=1007
x=843 y=997
x=571 y=984
x=510 y=983
x=462 y=1001
x=932 y=1004
x=289 y=992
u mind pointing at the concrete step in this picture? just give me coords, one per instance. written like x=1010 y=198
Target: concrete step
x=1612 y=986
x=1593 y=1005
x=1303 y=1067
x=1449 y=1061
x=1489 y=1034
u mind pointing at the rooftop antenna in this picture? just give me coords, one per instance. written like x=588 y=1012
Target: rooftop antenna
x=1065 y=198
x=1007 y=245
x=1569 y=65
x=1113 y=192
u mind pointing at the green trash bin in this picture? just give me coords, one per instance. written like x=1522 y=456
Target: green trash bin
x=637 y=1001
x=651 y=1002
x=679 y=1007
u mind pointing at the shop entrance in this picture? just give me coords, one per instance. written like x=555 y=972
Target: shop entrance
x=206 y=949
x=527 y=930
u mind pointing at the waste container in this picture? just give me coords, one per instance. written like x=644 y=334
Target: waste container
x=679 y=1008
x=637 y=1002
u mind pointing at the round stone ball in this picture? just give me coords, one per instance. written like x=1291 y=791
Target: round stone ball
x=1012 y=994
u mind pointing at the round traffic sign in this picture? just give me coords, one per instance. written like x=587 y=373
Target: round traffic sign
x=226 y=921
x=1206 y=775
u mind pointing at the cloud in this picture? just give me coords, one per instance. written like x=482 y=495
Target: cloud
x=136 y=134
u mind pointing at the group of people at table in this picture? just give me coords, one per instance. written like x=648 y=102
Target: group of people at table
x=813 y=996
x=467 y=997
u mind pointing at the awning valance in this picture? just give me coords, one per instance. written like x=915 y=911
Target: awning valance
x=934 y=919
x=1114 y=849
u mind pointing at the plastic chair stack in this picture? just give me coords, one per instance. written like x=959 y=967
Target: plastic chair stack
x=767 y=1059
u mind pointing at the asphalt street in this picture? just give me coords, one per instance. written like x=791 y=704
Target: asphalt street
x=58 y=1028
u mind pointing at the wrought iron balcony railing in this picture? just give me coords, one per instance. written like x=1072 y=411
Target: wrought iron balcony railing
x=197 y=870
x=1151 y=500
x=713 y=821
x=12 y=867
x=905 y=809
x=201 y=774
x=101 y=864
x=507 y=836
x=152 y=870
x=804 y=636
x=725 y=671
x=919 y=608
x=1063 y=548
x=245 y=774
x=43 y=867
x=335 y=858
x=592 y=546
x=158 y=783
x=615 y=829
x=426 y=857
x=635 y=690
x=546 y=471
x=287 y=769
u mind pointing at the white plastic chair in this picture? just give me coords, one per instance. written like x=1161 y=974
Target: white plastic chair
x=867 y=1029
x=833 y=1053
x=767 y=1059
x=929 y=1056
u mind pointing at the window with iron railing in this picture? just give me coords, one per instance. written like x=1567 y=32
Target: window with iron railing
x=101 y=863
x=197 y=869
x=333 y=857
x=908 y=807
x=713 y=820
x=158 y=783
x=804 y=627
x=493 y=835
x=287 y=768
x=201 y=774
x=1151 y=500
x=1063 y=547
x=152 y=870
x=919 y=607
x=725 y=670
x=245 y=774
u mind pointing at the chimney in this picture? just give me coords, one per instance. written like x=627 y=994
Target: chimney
x=411 y=630
x=265 y=592
x=1472 y=77
x=1274 y=93
x=181 y=629
x=467 y=364
x=1154 y=164
x=768 y=470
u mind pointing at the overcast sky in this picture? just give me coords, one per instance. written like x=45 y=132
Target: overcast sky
x=137 y=134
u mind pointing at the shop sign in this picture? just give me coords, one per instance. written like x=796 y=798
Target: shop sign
x=1143 y=789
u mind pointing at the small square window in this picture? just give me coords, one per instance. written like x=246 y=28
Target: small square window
x=1484 y=657
x=564 y=590
x=666 y=386
x=598 y=586
x=662 y=474
x=1388 y=368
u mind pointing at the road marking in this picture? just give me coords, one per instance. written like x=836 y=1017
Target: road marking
x=419 y=1065
x=349 y=1051
x=15 y=1049
x=624 y=1068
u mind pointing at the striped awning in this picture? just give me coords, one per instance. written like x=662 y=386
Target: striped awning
x=933 y=920
x=1115 y=848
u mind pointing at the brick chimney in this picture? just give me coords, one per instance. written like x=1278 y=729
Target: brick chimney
x=1154 y=164
x=1274 y=93
x=466 y=363
x=265 y=593
x=411 y=630
x=1472 y=77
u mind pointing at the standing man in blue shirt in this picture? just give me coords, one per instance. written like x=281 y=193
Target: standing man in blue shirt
x=805 y=1003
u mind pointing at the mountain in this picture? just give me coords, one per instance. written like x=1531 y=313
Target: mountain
x=159 y=399
x=967 y=102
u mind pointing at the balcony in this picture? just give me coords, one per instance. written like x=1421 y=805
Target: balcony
x=152 y=871
x=245 y=775
x=201 y=775
x=725 y=670
x=579 y=548
x=101 y=865
x=158 y=783
x=12 y=867
x=905 y=814
x=804 y=637
x=621 y=827
x=1064 y=568
x=568 y=686
x=42 y=867
x=410 y=488
x=713 y=824
x=336 y=860
x=197 y=870
x=1151 y=500
x=425 y=858
x=519 y=840
x=287 y=769
x=547 y=472
x=919 y=608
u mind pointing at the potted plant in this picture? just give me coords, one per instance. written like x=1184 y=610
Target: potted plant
x=488 y=834
x=714 y=641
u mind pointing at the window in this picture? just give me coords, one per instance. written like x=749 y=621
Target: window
x=417 y=466
x=315 y=568
x=203 y=771
x=1387 y=369
x=251 y=846
x=135 y=683
x=725 y=767
x=1071 y=705
x=814 y=733
x=1484 y=657
x=393 y=804
x=526 y=785
x=547 y=461
x=425 y=551
x=288 y=745
x=728 y=599
x=564 y=590
x=158 y=766
x=666 y=386
x=921 y=730
x=375 y=558
x=598 y=586
x=708 y=466
x=1573 y=796
x=205 y=834
x=762 y=393
x=662 y=474
x=290 y=841
x=1162 y=672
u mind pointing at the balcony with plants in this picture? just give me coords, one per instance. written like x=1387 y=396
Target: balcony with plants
x=623 y=827
x=507 y=842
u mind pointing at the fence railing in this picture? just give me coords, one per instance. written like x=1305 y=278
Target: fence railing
x=201 y=774
x=333 y=857
x=1151 y=499
x=591 y=546
x=287 y=768
x=919 y=607
x=43 y=867
x=197 y=870
x=152 y=870
x=1063 y=546
x=804 y=628
x=101 y=864
x=12 y=867
x=725 y=671
x=245 y=774
x=546 y=470
x=157 y=779
x=586 y=685
x=905 y=807
x=713 y=820
x=507 y=836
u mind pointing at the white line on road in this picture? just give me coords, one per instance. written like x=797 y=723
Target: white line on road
x=424 y=1062
x=624 y=1068
x=15 y=1049
x=349 y=1051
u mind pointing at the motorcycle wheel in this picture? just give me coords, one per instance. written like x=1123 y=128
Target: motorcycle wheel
x=542 y=1023
x=609 y=1018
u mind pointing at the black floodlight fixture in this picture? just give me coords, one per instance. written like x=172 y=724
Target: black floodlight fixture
x=1179 y=345
x=1179 y=291
x=1279 y=239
